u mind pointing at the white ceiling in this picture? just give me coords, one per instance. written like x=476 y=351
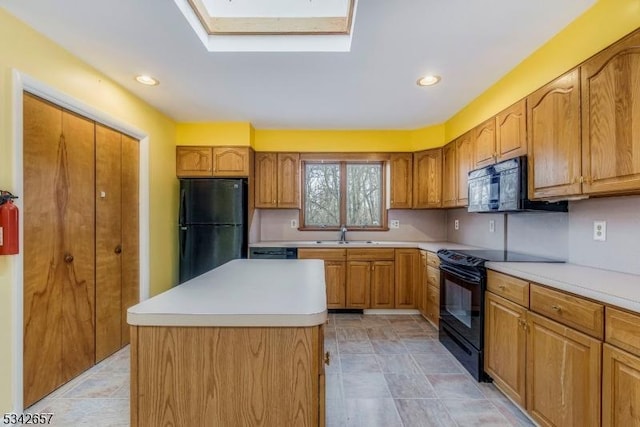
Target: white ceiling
x=470 y=43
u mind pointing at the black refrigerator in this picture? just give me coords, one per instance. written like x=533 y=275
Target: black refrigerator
x=212 y=224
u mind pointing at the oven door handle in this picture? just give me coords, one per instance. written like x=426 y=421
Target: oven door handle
x=467 y=276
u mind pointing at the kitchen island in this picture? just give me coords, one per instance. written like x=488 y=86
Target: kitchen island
x=240 y=345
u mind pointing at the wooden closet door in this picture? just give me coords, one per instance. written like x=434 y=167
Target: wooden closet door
x=108 y=242
x=130 y=230
x=58 y=320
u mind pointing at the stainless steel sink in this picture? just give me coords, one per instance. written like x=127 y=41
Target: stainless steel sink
x=353 y=242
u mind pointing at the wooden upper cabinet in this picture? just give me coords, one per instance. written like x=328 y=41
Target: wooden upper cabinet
x=231 y=161
x=449 y=175
x=427 y=179
x=288 y=180
x=511 y=131
x=464 y=163
x=484 y=136
x=193 y=161
x=401 y=165
x=278 y=180
x=611 y=119
x=266 y=182
x=553 y=134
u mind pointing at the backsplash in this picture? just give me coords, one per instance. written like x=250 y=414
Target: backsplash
x=567 y=236
x=415 y=225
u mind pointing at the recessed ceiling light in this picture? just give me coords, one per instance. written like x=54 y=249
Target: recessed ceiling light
x=428 y=80
x=147 y=80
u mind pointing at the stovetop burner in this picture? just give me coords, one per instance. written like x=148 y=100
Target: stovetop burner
x=477 y=257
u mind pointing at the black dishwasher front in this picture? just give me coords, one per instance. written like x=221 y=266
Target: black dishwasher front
x=273 y=253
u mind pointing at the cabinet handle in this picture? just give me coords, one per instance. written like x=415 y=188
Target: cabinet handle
x=274 y=201
x=327 y=358
x=118 y=250
x=68 y=258
x=556 y=308
x=502 y=287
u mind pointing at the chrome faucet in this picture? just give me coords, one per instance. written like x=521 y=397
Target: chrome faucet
x=343 y=233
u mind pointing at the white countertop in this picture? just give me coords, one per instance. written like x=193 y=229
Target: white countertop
x=610 y=287
x=260 y=293
x=328 y=244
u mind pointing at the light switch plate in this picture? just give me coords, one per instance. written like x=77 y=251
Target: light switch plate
x=600 y=230
x=492 y=226
x=394 y=223
x=456 y=224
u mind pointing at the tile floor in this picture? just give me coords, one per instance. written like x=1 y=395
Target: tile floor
x=385 y=371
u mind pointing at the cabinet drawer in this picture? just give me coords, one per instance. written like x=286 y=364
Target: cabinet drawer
x=324 y=254
x=433 y=260
x=508 y=287
x=579 y=313
x=370 y=254
x=622 y=330
x=433 y=277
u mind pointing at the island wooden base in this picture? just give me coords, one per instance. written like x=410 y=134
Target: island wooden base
x=209 y=376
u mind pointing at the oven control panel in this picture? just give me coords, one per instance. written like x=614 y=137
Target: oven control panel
x=453 y=257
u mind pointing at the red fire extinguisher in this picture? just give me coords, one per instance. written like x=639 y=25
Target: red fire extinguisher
x=8 y=224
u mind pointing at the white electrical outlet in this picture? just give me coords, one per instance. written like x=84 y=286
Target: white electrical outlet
x=492 y=226
x=456 y=224
x=600 y=230
x=294 y=223
x=394 y=223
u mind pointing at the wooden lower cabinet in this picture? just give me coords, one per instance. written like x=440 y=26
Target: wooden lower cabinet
x=563 y=374
x=407 y=277
x=421 y=294
x=358 y=284
x=334 y=273
x=227 y=376
x=620 y=388
x=382 y=277
x=506 y=345
x=433 y=290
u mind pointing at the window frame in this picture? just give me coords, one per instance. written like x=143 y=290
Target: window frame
x=342 y=161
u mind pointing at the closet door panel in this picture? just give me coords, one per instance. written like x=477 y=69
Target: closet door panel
x=108 y=242
x=130 y=231
x=78 y=310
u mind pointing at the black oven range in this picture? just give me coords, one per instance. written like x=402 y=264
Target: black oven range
x=463 y=279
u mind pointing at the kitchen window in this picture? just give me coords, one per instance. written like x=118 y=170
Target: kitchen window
x=343 y=192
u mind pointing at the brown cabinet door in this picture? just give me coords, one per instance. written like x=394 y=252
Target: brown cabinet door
x=231 y=161
x=407 y=277
x=382 y=279
x=266 y=180
x=193 y=162
x=464 y=164
x=335 y=278
x=130 y=257
x=620 y=388
x=484 y=136
x=611 y=119
x=433 y=304
x=449 y=175
x=427 y=179
x=401 y=180
x=358 y=284
x=505 y=345
x=563 y=374
x=421 y=295
x=511 y=131
x=289 y=180
x=553 y=134
x=108 y=241
x=58 y=293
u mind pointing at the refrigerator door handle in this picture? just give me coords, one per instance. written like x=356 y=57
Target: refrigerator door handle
x=183 y=242
x=182 y=216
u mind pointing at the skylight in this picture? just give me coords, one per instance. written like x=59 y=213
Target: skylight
x=276 y=25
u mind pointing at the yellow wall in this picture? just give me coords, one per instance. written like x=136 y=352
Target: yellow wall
x=221 y=133
x=605 y=22
x=214 y=133
x=29 y=52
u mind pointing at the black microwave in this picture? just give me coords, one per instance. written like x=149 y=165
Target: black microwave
x=502 y=187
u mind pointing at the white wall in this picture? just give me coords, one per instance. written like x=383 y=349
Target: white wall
x=567 y=236
x=415 y=225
